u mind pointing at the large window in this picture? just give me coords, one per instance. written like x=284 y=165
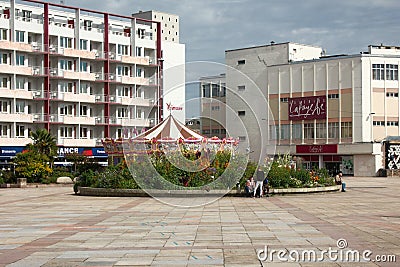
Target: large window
x=84 y=111
x=347 y=130
x=66 y=87
x=122 y=49
x=389 y=72
x=321 y=130
x=20 y=107
x=206 y=90
x=65 y=42
x=309 y=131
x=4 y=130
x=20 y=131
x=84 y=66
x=3 y=58
x=215 y=90
x=392 y=72
x=20 y=83
x=84 y=132
x=333 y=130
x=297 y=131
x=285 y=132
x=66 y=110
x=20 y=60
x=20 y=36
x=4 y=107
x=83 y=44
x=122 y=70
x=123 y=91
x=122 y=113
x=3 y=34
x=65 y=64
x=66 y=132
x=85 y=88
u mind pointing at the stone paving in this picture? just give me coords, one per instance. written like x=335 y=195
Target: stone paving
x=53 y=227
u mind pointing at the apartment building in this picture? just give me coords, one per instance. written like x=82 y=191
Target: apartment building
x=328 y=111
x=83 y=75
x=212 y=105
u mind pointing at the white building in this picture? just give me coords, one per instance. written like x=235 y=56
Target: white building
x=62 y=71
x=173 y=62
x=356 y=98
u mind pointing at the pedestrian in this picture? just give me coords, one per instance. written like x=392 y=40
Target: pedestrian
x=266 y=186
x=338 y=181
x=259 y=182
x=249 y=187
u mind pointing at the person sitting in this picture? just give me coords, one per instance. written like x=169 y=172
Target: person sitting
x=249 y=187
x=338 y=181
x=266 y=187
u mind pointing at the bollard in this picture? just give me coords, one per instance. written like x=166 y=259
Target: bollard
x=21 y=182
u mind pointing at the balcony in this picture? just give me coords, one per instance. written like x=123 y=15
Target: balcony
x=100 y=120
x=135 y=60
x=83 y=98
x=18 y=93
x=19 y=70
x=123 y=100
x=19 y=141
x=79 y=120
x=73 y=142
x=79 y=75
x=27 y=118
x=69 y=52
x=130 y=122
x=7 y=45
x=100 y=98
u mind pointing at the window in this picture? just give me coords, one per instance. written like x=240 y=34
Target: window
x=122 y=50
x=242 y=138
x=206 y=90
x=139 y=51
x=215 y=108
x=215 y=90
x=20 y=60
x=3 y=106
x=347 y=130
x=87 y=25
x=119 y=133
x=379 y=123
x=284 y=99
x=84 y=66
x=84 y=132
x=4 y=130
x=20 y=107
x=138 y=72
x=333 y=96
x=122 y=113
x=123 y=91
x=309 y=131
x=4 y=82
x=297 y=131
x=3 y=34
x=321 y=130
x=20 y=131
x=66 y=110
x=3 y=58
x=65 y=42
x=138 y=113
x=378 y=71
x=241 y=62
x=333 y=130
x=215 y=131
x=392 y=72
x=223 y=90
x=392 y=123
x=83 y=44
x=20 y=83
x=66 y=87
x=66 y=132
x=85 y=88
x=65 y=64
x=20 y=36
x=122 y=71
x=84 y=111
x=392 y=94
x=206 y=131
x=241 y=113
x=285 y=132
x=241 y=87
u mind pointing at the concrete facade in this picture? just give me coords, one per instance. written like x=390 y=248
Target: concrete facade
x=361 y=94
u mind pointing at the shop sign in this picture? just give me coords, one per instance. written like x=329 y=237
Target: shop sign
x=316 y=149
x=307 y=108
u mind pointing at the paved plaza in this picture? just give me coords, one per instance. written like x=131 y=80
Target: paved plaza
x=52 y=227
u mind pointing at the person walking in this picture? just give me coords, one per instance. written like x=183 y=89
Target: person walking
x=260 y=175
x=338 y=181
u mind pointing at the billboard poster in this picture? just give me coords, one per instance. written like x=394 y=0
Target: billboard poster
x=307 y=108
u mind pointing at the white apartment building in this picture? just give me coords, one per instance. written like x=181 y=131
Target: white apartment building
x=330 y=111
x=83 y=75
x=212 y=106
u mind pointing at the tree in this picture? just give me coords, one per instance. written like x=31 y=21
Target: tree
x=33 y=166
x=43 y=143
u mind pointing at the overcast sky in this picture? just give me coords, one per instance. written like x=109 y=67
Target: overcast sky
x=209 y=27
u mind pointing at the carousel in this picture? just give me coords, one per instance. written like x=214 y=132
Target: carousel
x=168 y=135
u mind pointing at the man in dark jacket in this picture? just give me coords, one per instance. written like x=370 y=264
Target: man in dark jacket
x=259 y=182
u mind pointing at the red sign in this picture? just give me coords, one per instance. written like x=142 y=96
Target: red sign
x=307 y=108
x=170 y=107
x=316 y=149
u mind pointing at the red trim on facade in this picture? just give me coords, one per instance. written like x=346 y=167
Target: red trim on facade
x=160 y=73
x=46 y=41
x=106 y=78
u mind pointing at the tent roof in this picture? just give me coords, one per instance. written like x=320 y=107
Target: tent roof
x=170 y=128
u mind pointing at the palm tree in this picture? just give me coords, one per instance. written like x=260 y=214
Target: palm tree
x=44 y=143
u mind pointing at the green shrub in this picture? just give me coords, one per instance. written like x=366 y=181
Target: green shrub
x=279 y=176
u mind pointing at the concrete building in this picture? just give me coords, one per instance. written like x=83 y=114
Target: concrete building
x=331 y=111
x=172 y=61
x=212 y=106
x=62 y=71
